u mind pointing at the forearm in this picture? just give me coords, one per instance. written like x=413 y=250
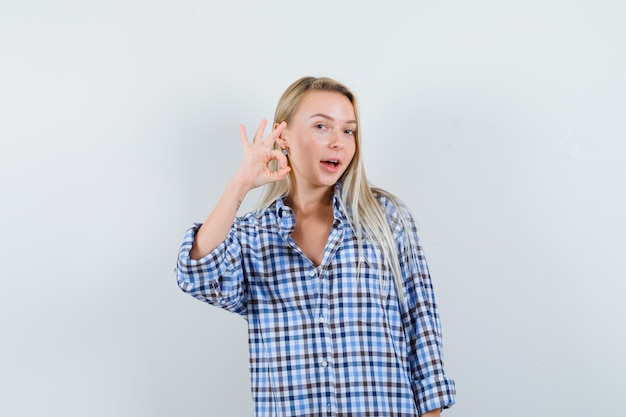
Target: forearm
x=433 y=413
x=215 y=228
x=253 y=172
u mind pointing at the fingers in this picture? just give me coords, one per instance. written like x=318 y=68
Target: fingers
x=243 y=136
x=269 y=141
x=258 y=136
x=279 y=129
x=282 y=171
x=277 y=155
x=280 y=174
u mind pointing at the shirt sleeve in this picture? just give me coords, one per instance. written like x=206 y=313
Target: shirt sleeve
x=432 y=389
x=218 y=277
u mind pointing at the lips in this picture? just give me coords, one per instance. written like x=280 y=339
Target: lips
x=331 y=166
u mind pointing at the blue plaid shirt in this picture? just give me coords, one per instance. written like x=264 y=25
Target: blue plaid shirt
x=333 y=339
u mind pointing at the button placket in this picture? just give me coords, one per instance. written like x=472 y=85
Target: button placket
x=326 y=347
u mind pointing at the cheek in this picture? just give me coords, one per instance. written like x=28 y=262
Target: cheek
x=351 y=150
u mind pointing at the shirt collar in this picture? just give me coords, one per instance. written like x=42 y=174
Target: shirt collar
x=337 y=207
x=285 y=217
x=287 y=220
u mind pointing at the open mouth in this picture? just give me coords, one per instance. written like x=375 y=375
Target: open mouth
x=332 y=162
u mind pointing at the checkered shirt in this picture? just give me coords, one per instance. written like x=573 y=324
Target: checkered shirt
x=332 y=340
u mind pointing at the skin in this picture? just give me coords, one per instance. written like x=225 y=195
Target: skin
x=253 y=172
x=321 y=130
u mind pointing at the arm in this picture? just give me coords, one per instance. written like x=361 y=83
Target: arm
x=433 y=413
x=433 y=390
x=253 y=172
x=210 y=260
x=217 y=225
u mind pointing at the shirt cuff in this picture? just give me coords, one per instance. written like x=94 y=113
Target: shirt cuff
x=434 y=393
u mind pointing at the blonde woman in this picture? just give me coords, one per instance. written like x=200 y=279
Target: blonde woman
x=328 y=271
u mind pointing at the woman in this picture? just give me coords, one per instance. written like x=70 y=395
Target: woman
x=328 y=271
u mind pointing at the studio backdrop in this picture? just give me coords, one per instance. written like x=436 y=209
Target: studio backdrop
x=501 y=124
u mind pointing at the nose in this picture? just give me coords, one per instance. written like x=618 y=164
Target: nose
x=336 y=141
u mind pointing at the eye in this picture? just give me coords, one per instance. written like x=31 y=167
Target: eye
x=350 y=132
x=320 y=126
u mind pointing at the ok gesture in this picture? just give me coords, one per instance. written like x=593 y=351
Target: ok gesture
x=254 y=170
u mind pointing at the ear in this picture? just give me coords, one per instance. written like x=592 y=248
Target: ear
x=281 y=139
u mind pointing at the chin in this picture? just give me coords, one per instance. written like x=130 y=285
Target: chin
x=329 y=182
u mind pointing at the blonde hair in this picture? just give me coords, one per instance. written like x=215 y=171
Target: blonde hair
x=358 y=196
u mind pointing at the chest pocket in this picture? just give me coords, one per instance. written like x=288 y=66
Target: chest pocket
x=374 y=276
x=361 y=285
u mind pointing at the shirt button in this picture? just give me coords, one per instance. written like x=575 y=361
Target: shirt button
x=321 y=319
x=312 y=273
x=324 y=364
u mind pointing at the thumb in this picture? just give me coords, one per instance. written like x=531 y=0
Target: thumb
x=279 y=174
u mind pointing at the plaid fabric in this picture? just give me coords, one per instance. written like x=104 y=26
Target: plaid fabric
x=332 y=339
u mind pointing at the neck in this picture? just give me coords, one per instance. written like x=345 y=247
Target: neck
x=310 y=200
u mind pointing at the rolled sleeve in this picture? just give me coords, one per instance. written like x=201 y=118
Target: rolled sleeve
x=434 y=393
x=432 y=389
x=216 y=278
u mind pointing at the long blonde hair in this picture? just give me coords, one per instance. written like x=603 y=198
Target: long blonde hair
x=363 y=210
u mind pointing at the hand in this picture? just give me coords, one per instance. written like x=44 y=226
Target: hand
x=254 y=170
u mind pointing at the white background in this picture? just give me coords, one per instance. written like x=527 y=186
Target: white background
x=501 y=123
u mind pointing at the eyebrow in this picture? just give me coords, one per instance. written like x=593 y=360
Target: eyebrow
x=327 y=117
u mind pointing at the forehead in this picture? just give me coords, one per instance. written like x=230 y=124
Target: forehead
x=329 y=103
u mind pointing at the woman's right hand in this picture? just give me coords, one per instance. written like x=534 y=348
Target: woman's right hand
x=254 y=170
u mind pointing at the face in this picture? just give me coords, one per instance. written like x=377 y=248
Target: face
x=320 y=138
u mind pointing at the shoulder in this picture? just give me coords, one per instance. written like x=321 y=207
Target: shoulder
x=259 y=218
x=401 y=222
x=394 y=209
